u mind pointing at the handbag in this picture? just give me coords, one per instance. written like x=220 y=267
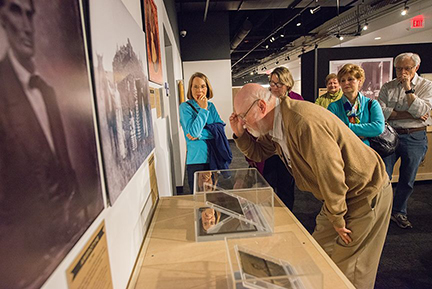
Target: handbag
x=386 y=143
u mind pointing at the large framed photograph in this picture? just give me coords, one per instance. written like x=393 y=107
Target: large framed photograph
x=377 y=72
x=50 y=187
x=122 y=92
x=154 y=57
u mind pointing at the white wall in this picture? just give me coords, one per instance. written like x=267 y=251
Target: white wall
x=126 y=221
x=219 y=74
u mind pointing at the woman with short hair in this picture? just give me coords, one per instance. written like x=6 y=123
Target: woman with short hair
x=334 y=91
x=362 y=115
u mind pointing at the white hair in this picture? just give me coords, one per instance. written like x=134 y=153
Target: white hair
x=413 y=56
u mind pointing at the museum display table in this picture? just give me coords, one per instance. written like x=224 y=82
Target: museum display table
x=170 y=257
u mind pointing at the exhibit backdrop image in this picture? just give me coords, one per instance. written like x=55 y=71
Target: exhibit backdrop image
x=377 y=72
x=122 y=92
x=50 y=186
x=150 y=20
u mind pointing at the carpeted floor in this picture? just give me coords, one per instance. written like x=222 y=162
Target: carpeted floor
x=406 y=261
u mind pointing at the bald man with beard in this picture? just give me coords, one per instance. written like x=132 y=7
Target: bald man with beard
x=329 y=160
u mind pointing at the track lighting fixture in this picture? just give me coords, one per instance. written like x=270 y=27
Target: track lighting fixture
x=298 y=24
x=314 y=10
x=339 y=37
x=282 y=35
x=405 y=10
x=365 y=26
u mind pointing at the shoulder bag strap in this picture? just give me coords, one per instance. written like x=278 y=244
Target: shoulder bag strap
x=193 y=107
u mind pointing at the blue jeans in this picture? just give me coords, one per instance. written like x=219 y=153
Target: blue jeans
x=191 y=169
x=412 y=149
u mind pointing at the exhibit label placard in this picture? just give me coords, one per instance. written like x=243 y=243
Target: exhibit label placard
x=91 y=269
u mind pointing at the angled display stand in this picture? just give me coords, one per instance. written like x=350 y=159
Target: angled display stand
x=232 y=203
x=273 y=262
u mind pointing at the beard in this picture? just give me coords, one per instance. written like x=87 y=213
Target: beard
x=257 y=132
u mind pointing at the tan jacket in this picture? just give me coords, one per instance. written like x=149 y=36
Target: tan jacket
x=327 y=158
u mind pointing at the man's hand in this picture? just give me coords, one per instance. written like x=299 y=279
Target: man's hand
x=405 y=81
x=424 y=117
x=343 y=233
x=236 y=125
x=202 y=101
x=191 y=137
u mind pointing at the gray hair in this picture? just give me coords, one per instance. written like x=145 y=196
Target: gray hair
x=413 y=56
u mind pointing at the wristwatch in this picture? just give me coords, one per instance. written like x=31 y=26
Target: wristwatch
x=412 y=90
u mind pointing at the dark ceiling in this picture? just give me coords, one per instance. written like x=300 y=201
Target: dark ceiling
x=260 y=29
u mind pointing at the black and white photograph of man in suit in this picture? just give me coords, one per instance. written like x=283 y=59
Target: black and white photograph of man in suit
x=50 y=189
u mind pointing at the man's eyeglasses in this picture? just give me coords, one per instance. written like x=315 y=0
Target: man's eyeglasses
x=278 y=84
x=407 y=68
x=243 y=116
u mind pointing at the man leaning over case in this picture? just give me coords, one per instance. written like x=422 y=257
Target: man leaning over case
x=330 y=161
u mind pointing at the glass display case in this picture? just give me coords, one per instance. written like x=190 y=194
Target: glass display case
x=232 y=203
x=272 y=262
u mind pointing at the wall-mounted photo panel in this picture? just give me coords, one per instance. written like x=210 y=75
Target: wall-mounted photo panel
x=50 y=188
x=153 y=43
x=122 y=92
x=377 y=72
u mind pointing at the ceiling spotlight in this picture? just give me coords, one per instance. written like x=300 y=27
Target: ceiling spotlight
x=315 y=10
x=282 y=35
x=266 y=46
x=251 y=73
x=365 y=27
x=299 y=24
x=271 y=40
x=339 y=37
x=405 y=10
x=377 y=38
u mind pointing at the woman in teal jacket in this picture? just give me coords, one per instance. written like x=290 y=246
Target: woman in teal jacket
x=353 y=108
x=194 y=115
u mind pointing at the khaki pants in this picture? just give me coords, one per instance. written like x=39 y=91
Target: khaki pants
x=369 y=224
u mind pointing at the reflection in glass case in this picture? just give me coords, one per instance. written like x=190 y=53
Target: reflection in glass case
x=272 y=262
x=231 y=203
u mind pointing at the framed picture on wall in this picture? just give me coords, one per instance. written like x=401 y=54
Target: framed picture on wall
x=50 y=186
x=154 y=58
x=181 y=91
x=122 y=93
x=377 y=72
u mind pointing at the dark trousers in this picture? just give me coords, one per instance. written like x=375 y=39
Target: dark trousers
x=191 y=169
x=280 y=179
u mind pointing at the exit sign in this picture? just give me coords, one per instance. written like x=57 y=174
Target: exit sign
x=417 y=22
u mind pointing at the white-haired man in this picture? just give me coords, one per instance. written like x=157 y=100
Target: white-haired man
x=406 y=102
x=330 y=161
